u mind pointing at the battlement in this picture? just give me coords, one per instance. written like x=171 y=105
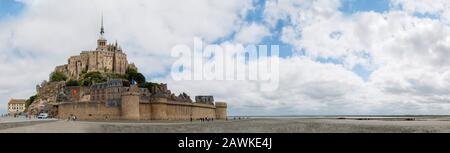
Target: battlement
x=221 y=104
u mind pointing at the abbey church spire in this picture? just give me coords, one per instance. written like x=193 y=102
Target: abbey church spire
x=101 y=42
x=102 y=29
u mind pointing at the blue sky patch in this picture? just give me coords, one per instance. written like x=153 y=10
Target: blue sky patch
x=329 y=60
x=427 y=15
x=9 y=8
x=257 y=13
x=362 y=72
x=355 y=6
x=286 y=50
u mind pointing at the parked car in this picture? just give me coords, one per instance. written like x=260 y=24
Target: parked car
x=43 y=116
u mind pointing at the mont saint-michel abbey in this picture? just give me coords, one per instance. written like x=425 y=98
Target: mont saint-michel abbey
x=105 y=58
x=115 y=98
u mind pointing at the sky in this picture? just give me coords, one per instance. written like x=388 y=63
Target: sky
x=337 y=57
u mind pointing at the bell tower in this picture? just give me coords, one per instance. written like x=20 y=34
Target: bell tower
x=101 y=42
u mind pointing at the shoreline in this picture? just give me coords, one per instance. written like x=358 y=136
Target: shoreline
x=273 y=125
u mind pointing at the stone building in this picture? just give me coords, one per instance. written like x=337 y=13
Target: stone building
x=108 y=58
x=109 y=92
x=204 y=99
x=16 y=106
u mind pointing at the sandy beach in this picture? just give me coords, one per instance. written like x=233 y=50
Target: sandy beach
x=266 y=125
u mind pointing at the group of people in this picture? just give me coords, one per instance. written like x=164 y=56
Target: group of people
x=204 y=119
x=15 y=115
x=72 y=118
x=240 y=118
x=10 y=115
x=18 y=116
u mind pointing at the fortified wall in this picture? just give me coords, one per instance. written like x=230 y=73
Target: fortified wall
x=132 y=108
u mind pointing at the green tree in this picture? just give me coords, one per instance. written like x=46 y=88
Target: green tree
x=116 y=76
x=57 y=76
x=29 y=101
x=90 y=78
x=149 y=85
x=133 y=74
x=72 y=83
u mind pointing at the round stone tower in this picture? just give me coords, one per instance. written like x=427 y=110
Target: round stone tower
x=130 y=104
x=159 y=107
x=221 y=110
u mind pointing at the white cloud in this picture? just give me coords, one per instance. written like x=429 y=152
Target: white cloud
x=436 y=8
x=300 y=11
x=422 y=6
x=251 y=34
x=309 y=87
x=306 y=87
x=408 y=54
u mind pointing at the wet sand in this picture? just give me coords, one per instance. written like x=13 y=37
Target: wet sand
x=266 y=125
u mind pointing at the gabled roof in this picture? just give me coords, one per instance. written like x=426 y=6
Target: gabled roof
x=17 y=101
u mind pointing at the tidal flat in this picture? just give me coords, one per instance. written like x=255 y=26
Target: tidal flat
x=251 y=125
